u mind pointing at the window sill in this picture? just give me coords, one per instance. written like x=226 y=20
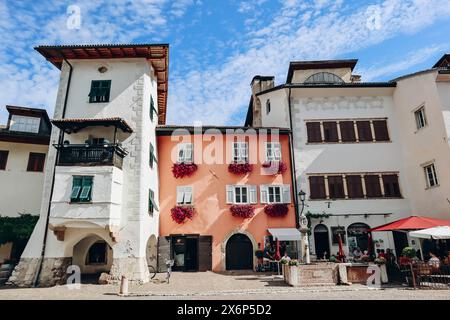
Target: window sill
x=87 y=202
x=347 y=142
x=433 y=187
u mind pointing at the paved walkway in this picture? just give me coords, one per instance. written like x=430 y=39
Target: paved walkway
x=228 y=286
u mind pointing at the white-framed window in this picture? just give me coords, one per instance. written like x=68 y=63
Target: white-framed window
x=240 y=152
x=275 y=193
x=24 y=124
x=421 y=119
x=241 y=194
x=430 y=175
x=273 y=151
x=184 y=195
x=185 y=152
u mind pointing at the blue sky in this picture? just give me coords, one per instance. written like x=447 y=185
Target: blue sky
x=217 y=46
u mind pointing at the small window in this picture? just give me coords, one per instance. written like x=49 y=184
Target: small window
x=267 y=106
x=314 y=133
x=240 y=152
x=81 y=189
x=273 y=151
x=97 y=254
x=151 y=202
x=3 y=159
x=241 y=195
x=330 y=132
x=184 y=195
x=274 y=193
x=364 y=131
x=24 y=124
x=421 y=120
x=373 y=187
x=335 y=232
x=185 y=153
x=100 y=91
x=336 y=187
x=36 y=162
x=347 y=131
x=153 y=111
x=354 y=187
x=431 y=176
x=152 y=156
x=381 y=130
x=317 y=187
x=391 y=186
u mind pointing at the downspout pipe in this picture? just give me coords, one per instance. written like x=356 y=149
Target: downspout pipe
x=60 y=140
x=294 y=171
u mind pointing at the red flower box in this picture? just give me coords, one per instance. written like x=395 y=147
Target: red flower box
x=276 y=209
x=243 y=211
x=240 y=168
x=275 y=167
x=181 y=170
x=180 y=214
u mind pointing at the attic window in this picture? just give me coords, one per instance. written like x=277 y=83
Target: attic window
x=323 y=78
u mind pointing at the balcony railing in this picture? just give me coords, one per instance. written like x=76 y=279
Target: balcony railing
x=90 y=155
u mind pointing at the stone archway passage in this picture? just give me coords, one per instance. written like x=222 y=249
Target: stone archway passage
x=239 y=253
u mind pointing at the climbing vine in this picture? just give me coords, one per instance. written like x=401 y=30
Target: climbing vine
x=309 y=215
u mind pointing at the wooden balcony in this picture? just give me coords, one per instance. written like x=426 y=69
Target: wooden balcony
x=90 y=155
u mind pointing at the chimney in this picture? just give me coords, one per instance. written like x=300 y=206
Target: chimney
x=355 y=78
x=259 y=84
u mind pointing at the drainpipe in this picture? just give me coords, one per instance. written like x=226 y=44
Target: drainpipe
x=47 y=218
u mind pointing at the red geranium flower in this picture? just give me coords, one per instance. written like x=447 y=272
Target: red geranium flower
x=242 y=211
x=181 y=170
x=276 y=209
x=180 y=214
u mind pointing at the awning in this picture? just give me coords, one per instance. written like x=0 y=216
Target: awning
x=412 y=223
x=285 y=234
x=432 y=233
x=75 y=125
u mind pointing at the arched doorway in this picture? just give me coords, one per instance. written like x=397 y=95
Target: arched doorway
x=358 y=237
x=322 y=241
x=239 y=253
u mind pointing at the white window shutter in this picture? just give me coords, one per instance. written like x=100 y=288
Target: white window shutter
x=187 y=194
x=180 y=153
x=277 y=151
x=235 y=151
x=230 y=194
x=180 y=195
x=286 y=196
x=244 y=151
x=253 y=197
x=264 y=193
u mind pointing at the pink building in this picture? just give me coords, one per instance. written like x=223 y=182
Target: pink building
x=235 y=211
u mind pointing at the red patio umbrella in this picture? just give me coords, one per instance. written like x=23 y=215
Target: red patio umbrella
x=412 y=223
x=277 y=251
x=341 y=254
x=369 y=243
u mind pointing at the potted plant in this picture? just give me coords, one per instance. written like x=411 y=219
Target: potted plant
x=275 y=167
x=408 y=254
x=181 y=169
x=276 y=209
x=259 y=254
x=242 y=211
x=240 y=168
x=381 y=263
x=181 y=213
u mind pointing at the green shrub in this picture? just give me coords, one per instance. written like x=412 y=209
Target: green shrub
x=409 y=252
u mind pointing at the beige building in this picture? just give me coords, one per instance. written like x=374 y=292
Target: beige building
x=23 y=149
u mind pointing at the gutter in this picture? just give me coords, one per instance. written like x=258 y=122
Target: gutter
x=60 y=140
x=294 y=171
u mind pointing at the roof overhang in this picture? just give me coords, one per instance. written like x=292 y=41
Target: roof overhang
x=156 y=54
x=75 y=125
x=285 y=234
x=322 y=64
x=443 y=62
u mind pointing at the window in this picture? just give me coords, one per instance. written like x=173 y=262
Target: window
x=268 y=107
x=237 y=194
x=100 y=90
x=273 y=151
x=153 y=110
x=336 y=187
x=97 y=253
x=354 y=187
x=317 y=187
x=314 y=133
x=151 y=202
x=364 y=131
x=152 y=158
x=240 y=152
x=330 y=132
x=185 y=154
x=347 y=131
x=3 y=159
x=324 y=78
x=381 y=130
x=335 y=232
x=373 y=187
x=36 y=162
x=421 y=120
x=184 y=195
x=275 y=193
x=24 y=124
x=391 y=186
x=81 y=189
x=430 y=176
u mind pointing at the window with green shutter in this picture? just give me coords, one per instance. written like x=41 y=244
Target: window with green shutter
x=152 y=156
x=151 y=202
x=100 y=91
x=81 y=189
x=153 y=111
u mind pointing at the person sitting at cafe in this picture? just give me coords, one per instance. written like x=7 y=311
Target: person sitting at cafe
x=357 y=253
x=434 y=261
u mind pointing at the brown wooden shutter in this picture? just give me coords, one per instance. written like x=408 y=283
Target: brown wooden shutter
x=36 y=162
x=314 y=134
x=330 y=131
x=163 y=253
x=354 y=186
x=317 y=187
x=391 y=186
x=205 y=253
x=364 y=131
x=381 y=130
x=347 y=131
x=373 y=188
x=336 y=187
x=3 y=159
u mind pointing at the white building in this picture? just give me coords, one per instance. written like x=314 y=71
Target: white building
x=23 y=150
x=358 y=154
x=100 y=201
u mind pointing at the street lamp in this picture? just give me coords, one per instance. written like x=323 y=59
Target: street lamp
x=304 y=229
